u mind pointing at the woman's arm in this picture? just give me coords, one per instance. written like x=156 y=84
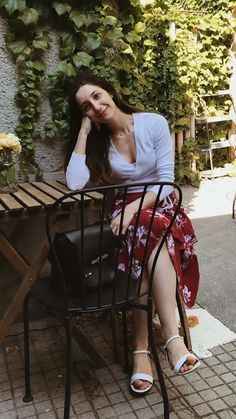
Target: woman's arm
x=164 y=157
x=77 y=172
x=130 y=210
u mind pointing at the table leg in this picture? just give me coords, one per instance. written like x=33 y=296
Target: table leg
x=13 y=255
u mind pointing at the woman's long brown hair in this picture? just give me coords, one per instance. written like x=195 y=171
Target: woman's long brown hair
x=98 y=142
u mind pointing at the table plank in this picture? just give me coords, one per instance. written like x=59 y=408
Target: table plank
x=10 y=202
x=2 y=209
x=62 y=188
x=27 y=200
x=51 y=191
x=37 y=194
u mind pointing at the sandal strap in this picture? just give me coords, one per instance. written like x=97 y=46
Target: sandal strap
x=170 y=340
x=141 y=351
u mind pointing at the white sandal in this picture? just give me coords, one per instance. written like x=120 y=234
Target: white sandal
x=182 y=360
x=141 y=376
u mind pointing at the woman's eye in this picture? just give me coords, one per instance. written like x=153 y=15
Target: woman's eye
x=96 y=96
x=86 y=107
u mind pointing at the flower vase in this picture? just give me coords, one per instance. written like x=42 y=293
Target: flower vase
x=7 y=172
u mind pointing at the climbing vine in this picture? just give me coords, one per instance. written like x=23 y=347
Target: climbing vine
x=130 y=45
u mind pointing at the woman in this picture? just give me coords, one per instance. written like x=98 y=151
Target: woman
x=113 y=142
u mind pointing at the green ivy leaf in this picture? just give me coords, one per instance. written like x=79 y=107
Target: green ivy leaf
x=41 y=43
x=113 y=35
x=16 y=47
x=66 y=68
x=110 y=21
x=76 y=18
x=12 y=5
x=38 y=65
x=140 y=27
x=82 y=59
x=150 y=43
x=92 y=41
x=133 y=37
x=61 y=8
x=30 y=16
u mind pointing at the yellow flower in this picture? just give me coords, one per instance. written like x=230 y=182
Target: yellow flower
x=10 y=141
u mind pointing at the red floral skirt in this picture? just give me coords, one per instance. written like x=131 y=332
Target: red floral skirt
x=180 y=243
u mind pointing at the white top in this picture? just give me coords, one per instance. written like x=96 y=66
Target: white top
x=154 y=157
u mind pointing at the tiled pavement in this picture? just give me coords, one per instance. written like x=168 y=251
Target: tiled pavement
x=209 y=392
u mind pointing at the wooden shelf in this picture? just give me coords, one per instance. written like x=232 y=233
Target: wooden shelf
x=220 y=118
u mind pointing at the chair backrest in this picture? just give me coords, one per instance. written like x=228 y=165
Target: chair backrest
x=93 y=269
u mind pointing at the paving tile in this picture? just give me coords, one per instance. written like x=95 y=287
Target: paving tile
x=115 y=398
x=10 y=414
x=153 y=398
x=82 y=407
x=217 y=404
x=217 y=350
x=111 y=388
x=100 y=401
x=26 y=411
x=43 y=407
x=230 y=400
x=200 y=385
x=209 y=394
x=128 y=416
x=146 y=413
x=186 y=414
x=88 y=415
x=186 y=389
x=194 y=399
x=227 y=414
x=229 y=347
x=106 y=413
x=205 y=372
x=6 y=405
x=202 y=409
x=223 y=390
x=225 y=357
x=220 y=369
x=212 y=361
x=228 y=377
x=122 y=408
x=138 y=403
x=214 y=381
x=231 y=365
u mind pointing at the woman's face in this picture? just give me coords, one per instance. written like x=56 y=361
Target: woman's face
x=96 y=103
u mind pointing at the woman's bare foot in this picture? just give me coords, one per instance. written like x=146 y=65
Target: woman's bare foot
x=175 y=350
x=141 y=364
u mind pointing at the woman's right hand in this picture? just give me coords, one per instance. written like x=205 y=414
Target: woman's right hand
x=86 y=125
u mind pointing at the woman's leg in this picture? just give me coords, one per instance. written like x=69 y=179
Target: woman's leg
x=141 y=362
x=164 y=296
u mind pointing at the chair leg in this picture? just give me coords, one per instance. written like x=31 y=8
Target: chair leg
x=183 y=320
x=125 y=340
x=68 y=325
x=28 y=396
x=115 y=336
x=157 y=362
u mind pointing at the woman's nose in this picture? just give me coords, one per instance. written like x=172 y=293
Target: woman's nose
x=96 y=106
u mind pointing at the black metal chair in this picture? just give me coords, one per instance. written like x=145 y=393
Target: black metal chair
x=120 y=293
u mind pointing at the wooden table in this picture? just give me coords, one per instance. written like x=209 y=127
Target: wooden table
x=31 y=202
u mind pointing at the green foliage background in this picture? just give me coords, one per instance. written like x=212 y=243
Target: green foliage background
x=129 y=45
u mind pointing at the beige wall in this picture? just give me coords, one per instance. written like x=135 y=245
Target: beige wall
x=49 y=154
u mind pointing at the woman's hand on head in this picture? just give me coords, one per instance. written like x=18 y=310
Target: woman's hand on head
x=115 y=224
x=87 y=124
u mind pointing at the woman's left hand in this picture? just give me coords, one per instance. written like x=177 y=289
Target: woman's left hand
x=115 y=224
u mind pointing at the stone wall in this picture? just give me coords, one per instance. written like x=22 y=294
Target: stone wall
x=49 y=153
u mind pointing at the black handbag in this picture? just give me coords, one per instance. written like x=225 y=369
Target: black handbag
x=68 y=249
